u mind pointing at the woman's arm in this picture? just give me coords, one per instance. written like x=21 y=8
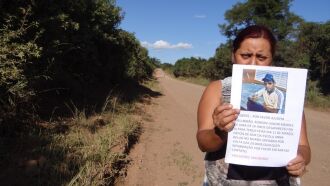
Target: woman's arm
x=297 y=166
x=214 y=119
x=304 y=148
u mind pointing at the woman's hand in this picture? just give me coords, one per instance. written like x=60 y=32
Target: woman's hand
x=224 y=117
x=297 y=166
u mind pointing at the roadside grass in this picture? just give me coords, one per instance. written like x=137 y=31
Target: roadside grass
x=315 y=99
x=320 y=102
x=199 y=80
x=91 y=151
x=152 y=84
x=80 y=150
x=169 y=72
x=102 y=154
x=196 y=80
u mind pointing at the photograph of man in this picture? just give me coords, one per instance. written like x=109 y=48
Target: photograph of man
x=273 y=98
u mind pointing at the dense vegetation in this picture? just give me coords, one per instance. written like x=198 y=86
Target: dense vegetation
x=68 y=50
x=65 y=70
x=300 y=44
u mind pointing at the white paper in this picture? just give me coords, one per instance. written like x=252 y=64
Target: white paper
x=261 y=138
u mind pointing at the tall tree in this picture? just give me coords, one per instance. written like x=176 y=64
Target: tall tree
x=274 y=14
x=65 y=50
x=314 y=39
x=222 y=60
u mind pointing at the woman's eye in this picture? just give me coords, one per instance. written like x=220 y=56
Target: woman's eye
x=245 y=56
x=262 y=58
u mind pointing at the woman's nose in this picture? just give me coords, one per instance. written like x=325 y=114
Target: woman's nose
x=253 y=60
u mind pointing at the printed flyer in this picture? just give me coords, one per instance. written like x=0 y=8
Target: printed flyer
x=267 y=130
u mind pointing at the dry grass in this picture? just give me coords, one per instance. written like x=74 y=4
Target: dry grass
x=80 y=147
x=97 y=147
x=196 y=80
x=314 y=97
x=80 y=151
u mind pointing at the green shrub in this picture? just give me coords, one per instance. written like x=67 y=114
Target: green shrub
x=16 y=55
x=314 y=97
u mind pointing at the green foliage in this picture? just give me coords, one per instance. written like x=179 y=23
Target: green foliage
x=168 y=68
x=68 y=51
x=216 y=67
x=139 y=65
x=314 y=97
x=223 y=61
x=209 y=70
x=314 y=39
x=189 y=67
x=58 y=52
x=300 y=44
x=156 y=62
x=274 y=14
x=166 y=65
x=16 y=55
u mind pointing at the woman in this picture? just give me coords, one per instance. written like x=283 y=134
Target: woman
x=255 y=45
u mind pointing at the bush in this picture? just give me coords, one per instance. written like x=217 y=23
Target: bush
x=16 y=55
x=314 y=96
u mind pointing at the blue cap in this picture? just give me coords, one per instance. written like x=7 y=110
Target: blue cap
x=268 y=77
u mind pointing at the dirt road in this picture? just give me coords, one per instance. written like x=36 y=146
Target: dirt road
x=167 y=153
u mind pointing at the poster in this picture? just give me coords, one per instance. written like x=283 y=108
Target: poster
x=271 y=100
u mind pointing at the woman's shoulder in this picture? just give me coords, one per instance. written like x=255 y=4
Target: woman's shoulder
x=212 y=90
x=215 y=83
x=220 y=82
x=218 y=85
x=226 y=81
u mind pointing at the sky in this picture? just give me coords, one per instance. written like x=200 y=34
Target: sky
x=174 y=29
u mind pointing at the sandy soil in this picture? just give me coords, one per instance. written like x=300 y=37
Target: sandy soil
x=167 y=153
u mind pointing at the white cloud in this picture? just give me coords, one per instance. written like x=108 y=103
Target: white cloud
x=161 y=44
x=145 y=44
x=200 y=16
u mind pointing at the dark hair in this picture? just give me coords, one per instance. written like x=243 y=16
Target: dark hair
x=255 y=31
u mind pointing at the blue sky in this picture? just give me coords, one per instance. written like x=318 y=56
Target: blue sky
x=173 y=29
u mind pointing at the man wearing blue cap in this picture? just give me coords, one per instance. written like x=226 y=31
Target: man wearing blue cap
x=273 y=98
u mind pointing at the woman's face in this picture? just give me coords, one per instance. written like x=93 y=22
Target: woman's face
x=253 y=51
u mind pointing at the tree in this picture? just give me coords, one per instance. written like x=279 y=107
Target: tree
x=189 y=67
x=69 y=51
x=156 y=62
x=16 y=55
x=274 y=14
x=222 y=60
x=314 y=39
